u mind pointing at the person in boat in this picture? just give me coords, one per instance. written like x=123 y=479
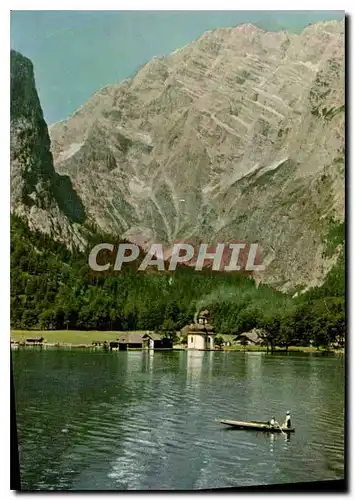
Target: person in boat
x=287 y=420
x=273 y=422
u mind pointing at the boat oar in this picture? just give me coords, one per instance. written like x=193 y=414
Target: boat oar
x=284 y=433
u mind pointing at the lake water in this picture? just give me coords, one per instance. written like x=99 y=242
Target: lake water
x=144 y=420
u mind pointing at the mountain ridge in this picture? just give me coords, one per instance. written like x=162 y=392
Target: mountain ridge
x=238 y=135
x=39 y=194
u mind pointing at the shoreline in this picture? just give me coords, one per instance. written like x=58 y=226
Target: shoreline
x=84 y=339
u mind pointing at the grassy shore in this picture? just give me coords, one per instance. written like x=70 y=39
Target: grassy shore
x=85 y=337
x=73 y=337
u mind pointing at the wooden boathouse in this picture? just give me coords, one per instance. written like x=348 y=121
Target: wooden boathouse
x=35 y=341
x=143 y=340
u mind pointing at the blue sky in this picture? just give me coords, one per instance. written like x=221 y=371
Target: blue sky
x=77 y=52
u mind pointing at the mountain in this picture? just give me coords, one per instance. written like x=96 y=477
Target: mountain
x=45 y=199
x=238 y=135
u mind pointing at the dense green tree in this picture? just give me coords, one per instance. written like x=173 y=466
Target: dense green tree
x=53 y=288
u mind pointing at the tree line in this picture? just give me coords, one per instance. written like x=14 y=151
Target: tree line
x=53 y=288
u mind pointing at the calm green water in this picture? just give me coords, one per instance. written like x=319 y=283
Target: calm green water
x=144 y=420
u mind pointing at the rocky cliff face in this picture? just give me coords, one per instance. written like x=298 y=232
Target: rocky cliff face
x=40 y=195
x=238 y=135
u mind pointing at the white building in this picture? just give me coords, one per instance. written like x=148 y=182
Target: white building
x=200 y=335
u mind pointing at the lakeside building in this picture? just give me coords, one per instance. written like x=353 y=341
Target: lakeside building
x=35 y=341
x=254 y=337
x=142 y=340
x=200 y=335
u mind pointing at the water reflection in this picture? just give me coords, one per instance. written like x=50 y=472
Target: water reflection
x=194 y=366
x=284 y=438
x=254 y=366
x=147 y=361
x=287 y=439
x=272 y=442
x=210 y=358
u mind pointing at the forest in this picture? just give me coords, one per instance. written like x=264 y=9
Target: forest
x=53 y=288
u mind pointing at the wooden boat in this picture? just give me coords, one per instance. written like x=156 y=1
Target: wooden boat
x=256 y=426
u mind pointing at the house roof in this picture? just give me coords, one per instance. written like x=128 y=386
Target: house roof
x=138 y=337
x=155 y=336
x=253 y=336
x=131 y=337
x=197 y=328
